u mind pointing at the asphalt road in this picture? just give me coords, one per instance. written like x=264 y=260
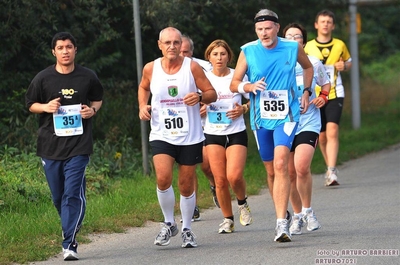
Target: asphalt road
x=360 y=225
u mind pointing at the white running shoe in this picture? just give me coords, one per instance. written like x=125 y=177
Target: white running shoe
x=245 y=214
x=188 y=238
x=311 y=220
x=167 y=231
x=227 y=226
x=331 y=178
x=70 y=254
x=297 y=224
x=282 y=233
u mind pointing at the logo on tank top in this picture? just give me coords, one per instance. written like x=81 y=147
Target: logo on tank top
x=325 y=52
x=173 y=91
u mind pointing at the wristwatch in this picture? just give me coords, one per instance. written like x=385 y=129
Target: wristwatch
x=94 y=109
x=200 y=96
x=309 y=91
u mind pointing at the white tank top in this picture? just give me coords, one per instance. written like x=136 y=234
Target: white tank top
x=216 y=122
x=173 y=121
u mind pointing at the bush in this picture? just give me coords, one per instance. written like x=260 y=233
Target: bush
x=385 y=72
x=22 y=179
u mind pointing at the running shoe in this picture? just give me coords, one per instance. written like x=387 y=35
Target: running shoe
x=196 y=214
x=282 y=233
x=245 y=214
x=297 y=224
x=167 y=231
x=331 y=178
x=214 y=194
x=311 y=220
x=227 y=226
x=289 y=218
x=70 y=254
x=188 y=238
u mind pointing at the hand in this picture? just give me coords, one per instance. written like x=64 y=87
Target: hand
x=144 y=113
x=319 y=102
x=203 y=110
x=52 y=106
x=87 y=112
x=191 y=99
x=340 y=66
x=260 y=85
x=236 y=112
x=304 y=103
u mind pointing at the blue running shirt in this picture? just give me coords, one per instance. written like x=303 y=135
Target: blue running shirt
x=277 y=65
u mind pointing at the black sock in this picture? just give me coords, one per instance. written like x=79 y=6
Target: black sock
x=229 y=217
x=241 y=202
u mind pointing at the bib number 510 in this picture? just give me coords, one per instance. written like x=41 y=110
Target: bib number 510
x=173 y=123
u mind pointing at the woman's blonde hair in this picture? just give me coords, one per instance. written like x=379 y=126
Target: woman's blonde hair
x=219 y=43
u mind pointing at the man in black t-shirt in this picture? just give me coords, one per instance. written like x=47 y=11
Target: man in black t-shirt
x=66 y=96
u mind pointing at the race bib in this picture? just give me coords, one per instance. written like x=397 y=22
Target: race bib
x=274 y=104
x=330 y=71
x=300 y=82
x=174 y=121
x=300 y=86
x=216 y=115
x=68 y=120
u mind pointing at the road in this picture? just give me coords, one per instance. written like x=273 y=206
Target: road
x=360 y=224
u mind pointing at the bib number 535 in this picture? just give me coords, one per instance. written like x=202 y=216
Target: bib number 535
x=274 y=105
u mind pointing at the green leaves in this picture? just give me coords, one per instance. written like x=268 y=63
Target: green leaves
x=104 y=32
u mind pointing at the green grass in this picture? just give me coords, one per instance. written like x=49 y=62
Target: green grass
x=31 y=231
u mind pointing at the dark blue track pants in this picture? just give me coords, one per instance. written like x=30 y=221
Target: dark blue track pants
x=67 y=183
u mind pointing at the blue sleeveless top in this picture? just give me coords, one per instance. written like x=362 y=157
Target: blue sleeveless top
x=277 y=66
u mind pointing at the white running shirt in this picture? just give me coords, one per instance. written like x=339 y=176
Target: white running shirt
x=173 y=121
x=216 y=122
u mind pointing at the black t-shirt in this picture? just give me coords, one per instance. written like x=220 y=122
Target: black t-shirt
x=81 y=86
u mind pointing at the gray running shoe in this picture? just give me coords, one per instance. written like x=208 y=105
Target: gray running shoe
x=282 y=233
x=311 y=220
x=215 y=199
x=297 y=224
x=227 y=226
x=188 y=239
x=167 y=231
x=245 y=214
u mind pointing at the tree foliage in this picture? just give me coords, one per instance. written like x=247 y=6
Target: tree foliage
x=105 y=35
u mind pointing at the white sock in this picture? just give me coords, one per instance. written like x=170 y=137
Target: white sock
x=299 y=215
x=166 y=199
x=305 y=210
x=187 y=205
x=279 y=220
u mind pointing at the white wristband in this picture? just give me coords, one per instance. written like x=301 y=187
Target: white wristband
x=241 y=87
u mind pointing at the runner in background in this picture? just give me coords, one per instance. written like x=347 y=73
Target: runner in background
x=306 y=138
x=187 y=50
x=336 y=58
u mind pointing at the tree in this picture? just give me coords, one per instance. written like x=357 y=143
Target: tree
x=104 y=31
